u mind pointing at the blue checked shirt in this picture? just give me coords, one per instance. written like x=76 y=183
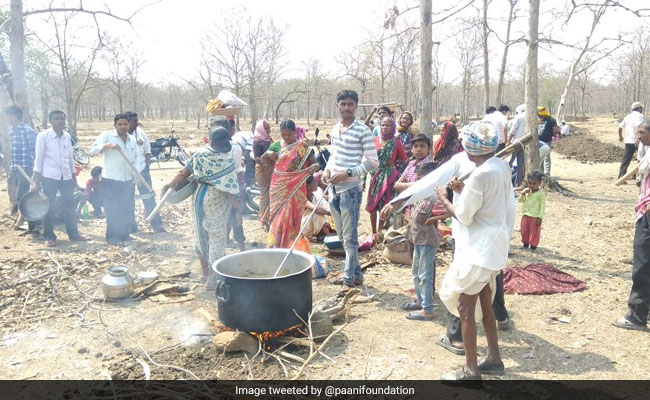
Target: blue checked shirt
x=23 y=147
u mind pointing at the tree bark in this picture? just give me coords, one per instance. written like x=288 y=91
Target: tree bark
x=504 y=58
x=486 y=56
x=17 y=57
x=531 y=85
x=426 y=61
x=598 y=13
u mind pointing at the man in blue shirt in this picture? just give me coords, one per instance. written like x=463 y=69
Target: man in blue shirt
x=23 y=150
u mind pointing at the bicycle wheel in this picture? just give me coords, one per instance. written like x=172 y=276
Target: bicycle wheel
x=81 y=157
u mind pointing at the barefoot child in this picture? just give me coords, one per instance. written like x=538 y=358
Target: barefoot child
x=423 y=234
x=533 y=206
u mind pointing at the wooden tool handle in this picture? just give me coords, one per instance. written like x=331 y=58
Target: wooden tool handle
x=506 y=151
x=135 y=170
x=160 y=204
x=24 y=174
x=627 y=176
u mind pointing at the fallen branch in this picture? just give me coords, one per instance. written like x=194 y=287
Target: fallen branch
x=319 y=349
x=30 y=280
x=174 y=367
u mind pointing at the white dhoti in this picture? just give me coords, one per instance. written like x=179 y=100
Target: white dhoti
x=466 y=279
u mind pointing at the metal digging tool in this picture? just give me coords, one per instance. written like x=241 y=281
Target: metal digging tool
x=284 y=260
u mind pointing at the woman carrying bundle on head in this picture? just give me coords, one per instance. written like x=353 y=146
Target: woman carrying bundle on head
x=216 y=173
x=294 y=163
x=391 y=155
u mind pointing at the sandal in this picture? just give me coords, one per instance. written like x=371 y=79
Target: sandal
x=418 y=316
x=344 y=290
x=411 y=306
x=50 y=243
x=488 y=368
x=460 y=375
x=504 y=325
x=443 y=340
x=625 y=323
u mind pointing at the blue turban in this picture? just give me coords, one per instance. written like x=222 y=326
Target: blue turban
x=480 y=138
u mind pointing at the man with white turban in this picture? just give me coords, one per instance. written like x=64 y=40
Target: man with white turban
x=482 y=243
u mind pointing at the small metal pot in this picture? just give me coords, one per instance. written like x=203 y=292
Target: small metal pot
x=251 y=299
x=117 y=283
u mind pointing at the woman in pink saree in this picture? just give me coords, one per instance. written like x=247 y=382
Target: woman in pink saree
x=294 y=163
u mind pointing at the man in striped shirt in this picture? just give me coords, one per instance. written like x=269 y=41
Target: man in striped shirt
x=353 y=155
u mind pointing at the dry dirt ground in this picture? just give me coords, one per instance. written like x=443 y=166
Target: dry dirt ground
x=55 y=328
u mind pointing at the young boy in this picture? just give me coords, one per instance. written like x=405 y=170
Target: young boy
x=423 y=234
x=92 y=193
x=533 y=207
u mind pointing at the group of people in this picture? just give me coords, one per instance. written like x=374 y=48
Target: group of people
x=408 y=178
x=47 y=157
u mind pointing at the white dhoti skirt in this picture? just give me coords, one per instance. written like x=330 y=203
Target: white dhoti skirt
x=469 y=280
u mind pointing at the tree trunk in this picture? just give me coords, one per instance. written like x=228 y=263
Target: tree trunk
x=567 y=87
x=504 y=59
x=426 y=61
x=45 y=103
x=486 y=58
x=531 y=85
x=17 y=57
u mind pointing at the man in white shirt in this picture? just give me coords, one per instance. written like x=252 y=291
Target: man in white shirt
x=144 y=161
x=117 y=178
x=565 y=130
x=482 y=242
x=459 y=165
x=517 y=131
x=54 y=172
x=630 y=122
x=500 y=122
x=244 y=140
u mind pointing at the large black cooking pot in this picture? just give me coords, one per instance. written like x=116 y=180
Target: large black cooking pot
x=251 y=299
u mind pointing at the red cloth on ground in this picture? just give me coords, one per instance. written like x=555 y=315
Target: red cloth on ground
x=530 y=231
x=539 y=279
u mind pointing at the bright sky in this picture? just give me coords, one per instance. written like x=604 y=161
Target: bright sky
x=168 y=33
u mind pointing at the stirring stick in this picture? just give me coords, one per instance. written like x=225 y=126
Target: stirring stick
x=301 y=231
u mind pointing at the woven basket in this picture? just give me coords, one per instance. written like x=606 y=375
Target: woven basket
x=227 y=112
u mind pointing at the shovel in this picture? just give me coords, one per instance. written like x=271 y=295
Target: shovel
x=139 y=177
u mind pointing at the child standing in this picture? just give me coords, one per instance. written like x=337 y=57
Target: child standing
x=533 y=208
x=423 y=234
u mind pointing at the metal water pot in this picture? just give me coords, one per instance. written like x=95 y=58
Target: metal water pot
x=117 y=283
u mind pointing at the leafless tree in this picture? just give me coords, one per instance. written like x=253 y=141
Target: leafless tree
x=468 y=43
x=507 y=43
x=531 y=84
x=602 y=47
x=358 y=65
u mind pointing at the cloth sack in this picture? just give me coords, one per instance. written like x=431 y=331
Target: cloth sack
x=396 y=246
